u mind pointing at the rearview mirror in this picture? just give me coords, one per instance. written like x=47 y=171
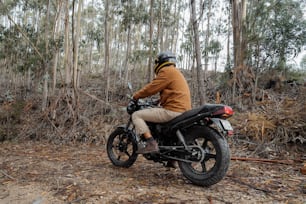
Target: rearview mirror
x=130 y=86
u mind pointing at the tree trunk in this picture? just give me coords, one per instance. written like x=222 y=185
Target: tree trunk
x=207 y=38
x=161 y=27
x=150 y=72
x=56 y=33
x=29 y=79
x=127 y=55
x=197 y=52
x=46 y=62
x=177 y=25
x=236 y=31
x=228 y=59
x=106 y=54
x=76 y=47
x=243 y=48
x=236 y=41
x=239 y=37
x=66 y=47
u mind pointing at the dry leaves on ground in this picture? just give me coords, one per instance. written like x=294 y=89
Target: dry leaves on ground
x=35 y=172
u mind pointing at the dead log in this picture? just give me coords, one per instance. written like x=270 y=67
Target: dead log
x=287 y=162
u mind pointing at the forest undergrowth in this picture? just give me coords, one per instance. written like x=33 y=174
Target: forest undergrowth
x=277 y=120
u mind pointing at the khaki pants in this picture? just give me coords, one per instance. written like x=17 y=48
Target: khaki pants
x=155 y=115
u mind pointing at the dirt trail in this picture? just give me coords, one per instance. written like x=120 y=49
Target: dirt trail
x=39 y=173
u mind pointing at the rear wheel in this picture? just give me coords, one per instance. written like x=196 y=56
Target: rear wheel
x=121 y=148
x=216 y=161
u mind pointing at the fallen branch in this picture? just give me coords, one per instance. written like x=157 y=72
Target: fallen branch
x=250 y=185
x=5 y=174
x=4 y=194
x=287 y=162
x=94 y=97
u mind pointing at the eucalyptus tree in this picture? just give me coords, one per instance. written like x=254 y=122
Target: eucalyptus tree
x=303 y=63
x=214 y=30
x=76 y=36
x=57 y=37
x=32 y=38
x=207 y=37
x=239 y=39
x=187 y=48
x=66 y=58
x=128 y=19
x=107 y=48
x=195 y=26
x=277 y=31
x=150 y=72
x=93 y=35
x=266 y=34
x=215 y=48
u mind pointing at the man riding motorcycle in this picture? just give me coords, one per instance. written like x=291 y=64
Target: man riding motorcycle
x=174 y=98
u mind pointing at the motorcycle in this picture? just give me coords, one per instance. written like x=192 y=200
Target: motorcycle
x=195 y=139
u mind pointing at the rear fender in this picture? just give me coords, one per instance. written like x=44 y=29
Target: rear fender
x=223 y=126
x=200 y=127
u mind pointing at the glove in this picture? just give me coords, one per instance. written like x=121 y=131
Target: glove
x=155 y=102
x=132 y=106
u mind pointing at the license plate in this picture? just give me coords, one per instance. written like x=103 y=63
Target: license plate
x=226 y=125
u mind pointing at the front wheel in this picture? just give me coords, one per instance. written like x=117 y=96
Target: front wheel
x=121 y=148
x=217 y=156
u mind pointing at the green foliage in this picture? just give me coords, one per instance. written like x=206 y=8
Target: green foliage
x=7 y=5
x=23 y=43
x=276 y=31
x=139 y=56
x=214 y=47
x=296 y=75
x=133 y=13
x=187 y=45
x=20 y=55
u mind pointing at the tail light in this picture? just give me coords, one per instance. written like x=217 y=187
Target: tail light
x=230 y=133
x=224 y=112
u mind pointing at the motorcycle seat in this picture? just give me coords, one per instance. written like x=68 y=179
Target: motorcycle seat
x=207 y=108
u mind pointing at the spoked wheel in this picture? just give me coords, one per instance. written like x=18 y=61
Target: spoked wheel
x=216 y=157
x=121 y=148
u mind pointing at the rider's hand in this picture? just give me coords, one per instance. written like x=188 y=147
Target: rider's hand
x=155 y=102
x=133 y=101
x=132 y=106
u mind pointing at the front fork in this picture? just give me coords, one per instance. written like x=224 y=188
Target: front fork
x=131 y=127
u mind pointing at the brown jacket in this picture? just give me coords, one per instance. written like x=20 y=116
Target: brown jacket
x=173 y=89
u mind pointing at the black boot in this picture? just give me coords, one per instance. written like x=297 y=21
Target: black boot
x=151 y=147
x=171 y=164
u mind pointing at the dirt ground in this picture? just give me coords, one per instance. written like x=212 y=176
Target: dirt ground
x=42 y=173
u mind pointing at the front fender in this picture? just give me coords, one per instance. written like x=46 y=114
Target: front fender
x=128 y=130
x=122 y=126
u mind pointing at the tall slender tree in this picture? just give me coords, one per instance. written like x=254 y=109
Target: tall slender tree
x=150 y=72
x=194 y=22
x=106 y=47
x=207 y=38
x=76 y=72
x=67 y=47
x=46 y=61
x=239 y=37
